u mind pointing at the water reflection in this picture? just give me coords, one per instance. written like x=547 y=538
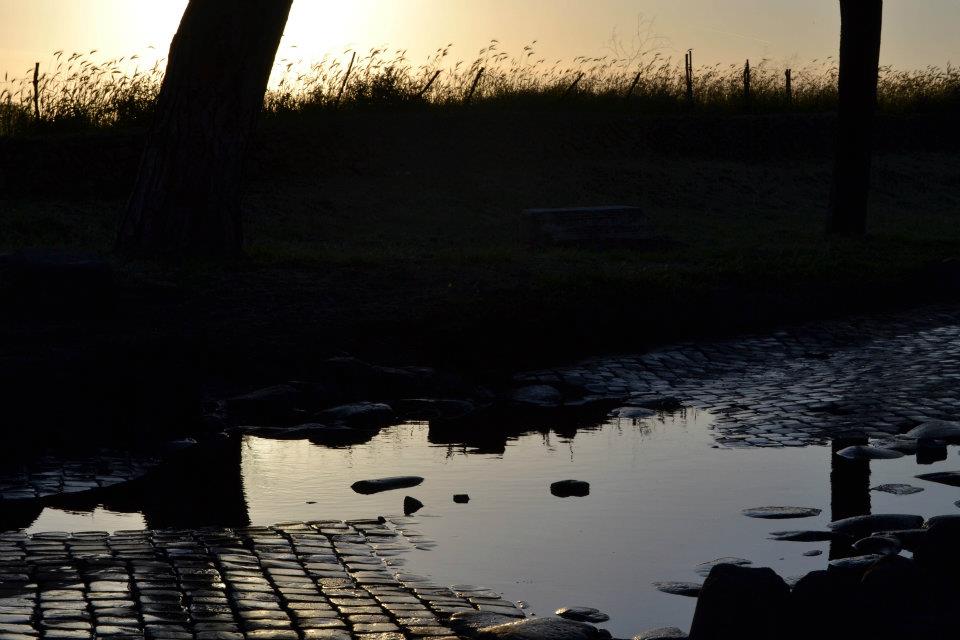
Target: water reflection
x=662 y=501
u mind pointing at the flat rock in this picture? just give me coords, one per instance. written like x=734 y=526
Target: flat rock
x=856 y=563
x=705 y=568
x=538 y=395
x=688 y=589
x=546 y=628
x=369 y=487
x=878 y=545
x=898 y=489
x=863 y=526
x=570 y=489
x=936 y=430
x=663 y=633
x=583 y=614
x=461 y=498
x=864 y=452
x=358 y=415
x=951 y=478
x=813 y=553
x=909 y=539
x=782 y=513
x=469 y=623
x=803 y=536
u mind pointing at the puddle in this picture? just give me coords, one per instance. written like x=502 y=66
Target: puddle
x=662 y=501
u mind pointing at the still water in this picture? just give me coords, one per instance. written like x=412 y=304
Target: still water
x=663 y=500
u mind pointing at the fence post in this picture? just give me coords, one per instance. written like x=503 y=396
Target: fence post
x=346 y=77
x=746 y=82
x=473 y=87
x=36 y=92
x=789 y=76
x=633 y=87
x=429 y=84
x=572 y=87
x=688 y=62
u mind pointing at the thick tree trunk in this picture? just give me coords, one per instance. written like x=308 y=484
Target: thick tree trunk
x=186 y=199
x=861 y=27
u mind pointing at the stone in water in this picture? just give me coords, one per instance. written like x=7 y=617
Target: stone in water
x=369 y=487
x=688 y=589
x=583 y=614
x=781 y=513
x=951 y=478
x=705 y=568
x=570 y=489
x=898 y=489
x=861 y=452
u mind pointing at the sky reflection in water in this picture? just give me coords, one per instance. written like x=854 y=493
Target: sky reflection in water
x=662 y=501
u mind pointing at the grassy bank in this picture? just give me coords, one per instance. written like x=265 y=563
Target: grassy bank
x=393 y=234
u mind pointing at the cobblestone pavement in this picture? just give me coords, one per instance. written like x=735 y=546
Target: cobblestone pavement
x=799 y=386
x=52 y=476
x=323 y=580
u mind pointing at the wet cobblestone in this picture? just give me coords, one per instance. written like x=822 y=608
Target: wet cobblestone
x=798 y=386
x=323 y=580
x=53 y=476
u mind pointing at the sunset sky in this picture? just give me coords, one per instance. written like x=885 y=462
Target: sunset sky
x=917 y=32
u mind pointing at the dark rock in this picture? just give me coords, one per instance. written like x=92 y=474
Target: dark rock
x=361 y=415
x=878 y=545
x=781 y=513
x=813 y=553
x=909 y=539
x=804 y=536
x=951 y=478
x=369 y=487
x=856 y=564
x=432 y=409
x=411 y=506
x=821 y=605
x=900 y=443
x=931 y=451
x=570 y=489
x=461 y=498
x=686 y=589
x=583 y=614
x=663 y=633
x=546 y=628
x=469 y=623
x=863 y=452
x=665 y=404
x=863 y=526
x=538 y=396
x=742 y=603
x=271 y=404
x=897 y=489
x=705 y=568
x=936 y=430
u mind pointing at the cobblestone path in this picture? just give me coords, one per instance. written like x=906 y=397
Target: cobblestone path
x=799 y=386
x=324 y=580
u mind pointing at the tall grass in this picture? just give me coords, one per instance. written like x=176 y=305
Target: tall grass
x=80 y=93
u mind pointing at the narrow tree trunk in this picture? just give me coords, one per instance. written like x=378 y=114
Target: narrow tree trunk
x=861 y=27
x=186 y=199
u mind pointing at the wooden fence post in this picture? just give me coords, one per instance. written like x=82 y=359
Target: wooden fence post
x=572 y=87
x=346 y=76
x=473 y=87
x=746 y=83
x=688 y=62
x=789 y=76
x=429 y=84
x=36 y=92
x=633 y=87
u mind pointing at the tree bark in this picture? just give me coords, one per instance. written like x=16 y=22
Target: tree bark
x=861 y=28
x=186 y=199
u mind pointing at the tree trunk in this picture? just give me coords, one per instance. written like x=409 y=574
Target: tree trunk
x=186 y=199
x=861 y=27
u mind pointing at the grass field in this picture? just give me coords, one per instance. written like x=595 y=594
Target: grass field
x=393 y=233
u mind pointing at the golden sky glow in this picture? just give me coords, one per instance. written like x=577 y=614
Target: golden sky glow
x=917 y=33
